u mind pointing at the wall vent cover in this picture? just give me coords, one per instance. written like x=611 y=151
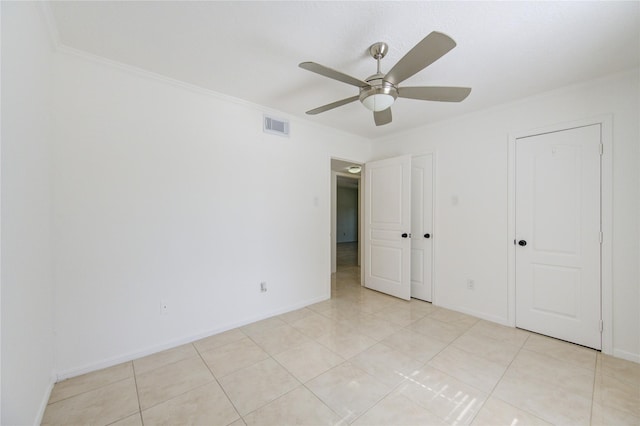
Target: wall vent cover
x=276 y=126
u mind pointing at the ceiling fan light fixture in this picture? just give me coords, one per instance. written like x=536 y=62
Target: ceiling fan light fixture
x=378 y=102
x=379 y=96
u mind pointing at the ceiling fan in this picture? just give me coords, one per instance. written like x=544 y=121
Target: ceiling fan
x=379 y=91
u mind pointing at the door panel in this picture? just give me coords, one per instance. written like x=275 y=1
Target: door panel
x=387 y=217
x=421 y=224
x=558 y=216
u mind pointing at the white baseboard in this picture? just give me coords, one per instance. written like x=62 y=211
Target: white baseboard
x=481 y=315
x=109 y=362
x=629 y=356
x=45 y=401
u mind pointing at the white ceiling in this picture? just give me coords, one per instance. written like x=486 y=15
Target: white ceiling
x=251 y=50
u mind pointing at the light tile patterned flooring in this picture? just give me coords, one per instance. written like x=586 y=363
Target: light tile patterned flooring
x=363 y=358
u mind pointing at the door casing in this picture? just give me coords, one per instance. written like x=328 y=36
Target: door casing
x=606 y=205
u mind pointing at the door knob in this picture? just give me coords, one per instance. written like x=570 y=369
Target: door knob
x=427 y=235
x=405 y=235
x=522 y=243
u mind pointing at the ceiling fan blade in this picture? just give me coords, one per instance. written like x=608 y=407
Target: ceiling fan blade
x=331 y=73
x=382 y=117
x=332 y=105
x=440 y=94
x=430 y=49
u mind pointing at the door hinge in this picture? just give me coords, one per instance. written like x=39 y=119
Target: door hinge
x=601 y=149
x=601 y=326
x=601 y=237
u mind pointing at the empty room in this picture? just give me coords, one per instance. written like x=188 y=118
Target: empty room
x=320 y=213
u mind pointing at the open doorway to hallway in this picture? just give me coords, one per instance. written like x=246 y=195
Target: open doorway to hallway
x=346 y=218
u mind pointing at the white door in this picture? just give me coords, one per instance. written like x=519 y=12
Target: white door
x=422 y=227
x=388 y=226
x=558 y=234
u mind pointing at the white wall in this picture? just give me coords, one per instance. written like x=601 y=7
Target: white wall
x=169 y=194
x=471 y=166
x=27 y=285
x=347 y=215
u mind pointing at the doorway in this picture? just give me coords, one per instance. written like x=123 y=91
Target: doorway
x=345 y=217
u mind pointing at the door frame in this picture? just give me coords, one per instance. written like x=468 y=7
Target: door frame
x=606 y=210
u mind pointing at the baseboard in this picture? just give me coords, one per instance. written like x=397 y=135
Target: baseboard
x=45 y=400
x=480 y=315
x=109 y=362
x=629 y=356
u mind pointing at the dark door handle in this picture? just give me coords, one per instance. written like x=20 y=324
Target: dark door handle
x=427 y=235
x=522 y=243
x=405 y=235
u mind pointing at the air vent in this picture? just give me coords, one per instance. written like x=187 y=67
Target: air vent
x=276 y=126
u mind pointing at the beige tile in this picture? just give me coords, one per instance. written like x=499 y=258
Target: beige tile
x=543 y=398
x=204 y=405
x=166 y=382
x=446 y=332
x=497 y=412
x=217 y=340
x=346 y=343
x=621 y=395
x=602 y=415
x=323 y=306
x=308 y=361
x=497 y=351
x=255 y=386
x=470 y=369
x=403 y=316
x=422 y=306
x=396 y=409
x=374 y=305
x=621 y=369
x=372 y=326
x=386 y=364
x=415 y=345
x=298 y=407
x=133 y=420
x=260 y=326
x=106 y=404
x=316 y=325
x=293 y=316
x=163 y=358
x=562 y=374
x=454 y=317
x=348 y=390
x=233 y=357
x=343 y=313
x=564 y=351
x=90 y=381
x=443 y=395
x=280 y=339
x=511 y=335
x=238 y=422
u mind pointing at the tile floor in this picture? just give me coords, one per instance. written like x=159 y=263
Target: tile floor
x=360 y=358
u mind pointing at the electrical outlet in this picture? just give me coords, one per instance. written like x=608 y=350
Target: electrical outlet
x=263 y=286
x=164 y=308
x=471 y=285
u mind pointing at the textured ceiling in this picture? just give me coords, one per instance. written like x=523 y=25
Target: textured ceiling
x=251 y=50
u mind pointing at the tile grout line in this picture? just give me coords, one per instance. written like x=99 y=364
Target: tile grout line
x=135 y=380
x=593 y=389
x=215 y=378
x=493 y=389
